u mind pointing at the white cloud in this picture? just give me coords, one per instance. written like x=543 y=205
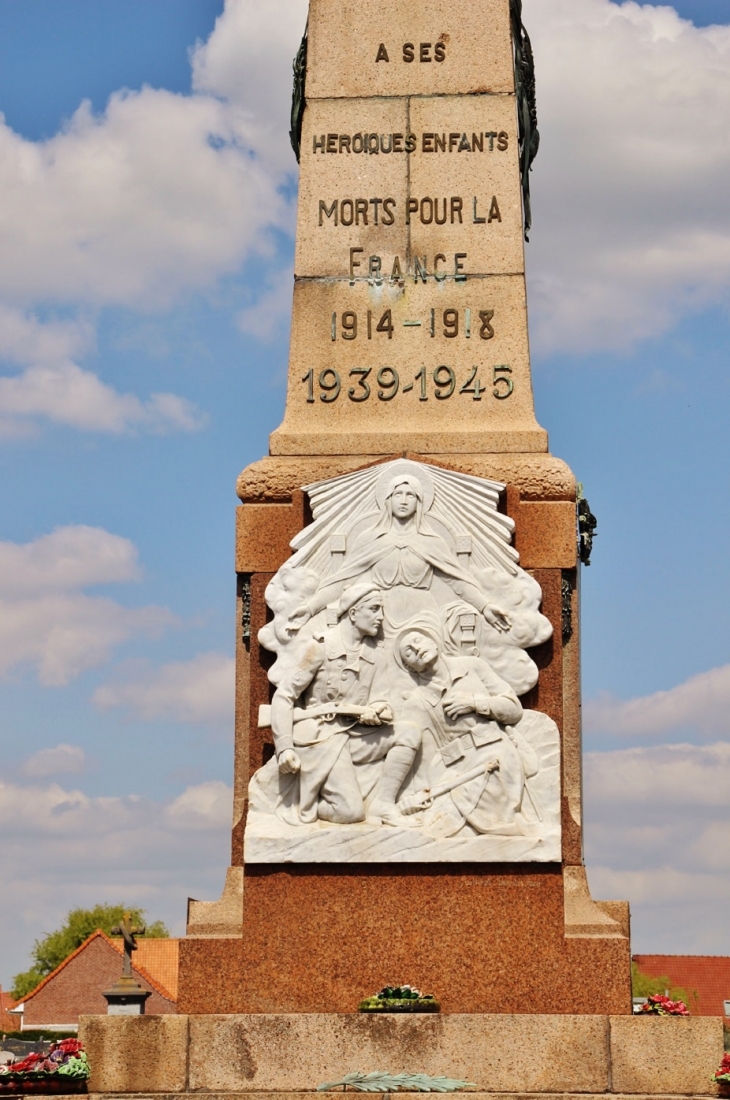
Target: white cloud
x=62 y=815
x=672 y=912
x=69 y=557
x=658 y=833
x=702 y=702
x=153 y=197
x=61 y=760
x=247 y=61
x=197 y=691
x=63 y=635
x=66 y=394
x=46 y=622
x=63 y=849
x=158 y=196
x=663 y=776
x=24 y=338
x=54 y=388
x=206 y=806
x=271 y=313
x=631 y=226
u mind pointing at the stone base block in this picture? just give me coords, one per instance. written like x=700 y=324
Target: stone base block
x=650 y=1055
x=483 y=939
x=136 y=1053
x=336 y=1095
x=290 y=1055
x=501 y=1053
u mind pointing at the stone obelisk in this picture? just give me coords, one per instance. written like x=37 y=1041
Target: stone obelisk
x=435 y=542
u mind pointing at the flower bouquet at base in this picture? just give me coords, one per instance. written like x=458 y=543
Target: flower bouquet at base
x=721 y=1076
x=663 y=1006
x=400 y=998
x=64 y=1069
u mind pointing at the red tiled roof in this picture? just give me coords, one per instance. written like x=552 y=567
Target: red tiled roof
x=158 y=959
x=707 y=976
x=117 y=945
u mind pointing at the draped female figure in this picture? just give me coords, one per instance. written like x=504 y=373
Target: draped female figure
x=407 y=558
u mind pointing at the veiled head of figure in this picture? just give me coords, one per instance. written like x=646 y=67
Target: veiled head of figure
x=404 y=496
x=418 y=650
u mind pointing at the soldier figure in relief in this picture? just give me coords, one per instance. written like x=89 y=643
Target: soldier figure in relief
x=330 y=715
x=464 y=713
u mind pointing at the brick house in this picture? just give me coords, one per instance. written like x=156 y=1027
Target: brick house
x=76 y=986
x=706 y=978
x=7 y=1022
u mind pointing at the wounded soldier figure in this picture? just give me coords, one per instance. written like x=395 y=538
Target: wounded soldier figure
x=330 y=717
x=476 y=762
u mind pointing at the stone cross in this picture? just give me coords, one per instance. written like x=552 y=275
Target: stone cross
x=128 y=933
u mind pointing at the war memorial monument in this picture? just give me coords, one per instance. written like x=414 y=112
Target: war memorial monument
x=408 y=733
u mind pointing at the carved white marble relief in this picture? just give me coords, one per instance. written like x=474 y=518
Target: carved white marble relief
x=400 y=628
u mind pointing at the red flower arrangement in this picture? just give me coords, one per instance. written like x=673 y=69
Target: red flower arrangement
x=663 y=1006
x=64 y=1068
x=722 y=1075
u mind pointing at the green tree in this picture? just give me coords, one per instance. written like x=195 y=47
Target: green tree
x=49 y=952
x=644 y=986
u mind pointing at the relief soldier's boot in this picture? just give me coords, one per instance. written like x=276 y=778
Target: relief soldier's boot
x=383 y=809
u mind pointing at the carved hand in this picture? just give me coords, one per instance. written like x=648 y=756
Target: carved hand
x=370 y=717
x=415 y=803
x=458 y=705
x=483 y=705
x=298 y=618
x=498 y=619
x=288 y=761
x=384 y=712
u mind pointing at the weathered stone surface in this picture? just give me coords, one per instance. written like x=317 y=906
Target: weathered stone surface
x=336 y=1094
x=263 y=537
x=488 y=440
x=499 y=1053
x=418 y=391
x=583 y=916
x=486 y=180
x=335 y=213
x=441 y=948
x=456 y=193
x=219 y=918
x=537 y=476
x=136 y=1053
x=545 y=534
x=409 y=254
x=344 y=40
x=657 y=1054
x=506 y=1056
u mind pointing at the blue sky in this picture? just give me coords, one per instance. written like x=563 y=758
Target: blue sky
x=145 y=249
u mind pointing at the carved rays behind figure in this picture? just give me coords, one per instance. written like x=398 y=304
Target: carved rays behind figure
x=462 y=508
x=458 y=512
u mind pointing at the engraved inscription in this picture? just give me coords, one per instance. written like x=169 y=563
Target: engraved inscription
x=438 y=210
x=425 y=52
x=419 y=269
x=440 y=383
x=448 y=322
x=485 y=141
